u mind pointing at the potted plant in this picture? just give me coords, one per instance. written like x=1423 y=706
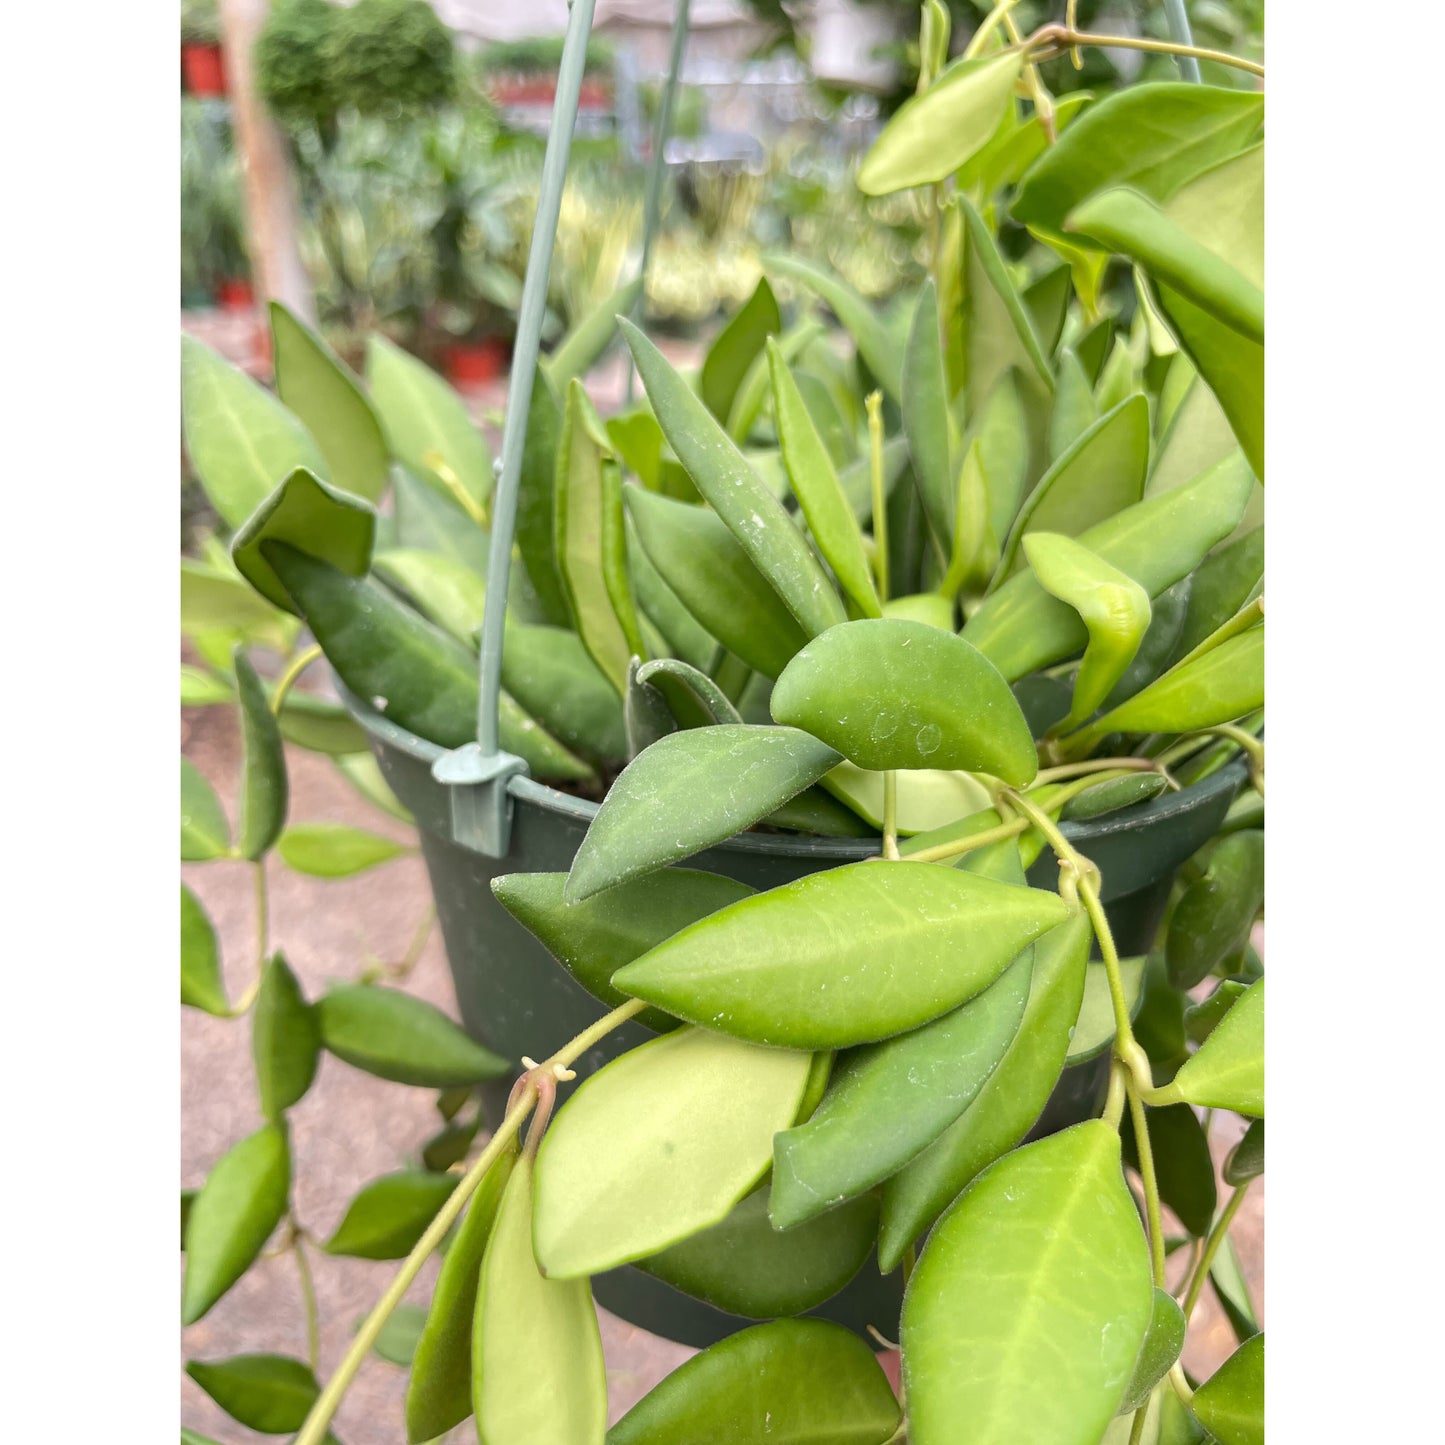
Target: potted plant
x=202 y=67
x=840 y=1028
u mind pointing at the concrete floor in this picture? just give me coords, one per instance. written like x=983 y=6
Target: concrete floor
x=351 y=1128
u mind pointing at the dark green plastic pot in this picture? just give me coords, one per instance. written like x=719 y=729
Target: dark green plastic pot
x=517 y=999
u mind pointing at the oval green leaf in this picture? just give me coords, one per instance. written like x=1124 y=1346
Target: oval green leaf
x=285 y=1039
x=1213 y=917
x=926 y=420
x=1047 y=1249
x=1093 y=1030
x=843 y=957
x=1228 y=1070
x=1162 y=1346
x=269 y=1393
x=677 y=680
x=889 y=693
x=927 y=798
x=552 y=675
x=736 y=347
x=446 y=590
x=1230 y=1403
x=334 y=850
x=1246 y=1160
x=659 y=1144
x=389 y=1215
x=202 y=985
x=1113 y=796
x=205 y=834
x=395 y=1036
x=261 y=812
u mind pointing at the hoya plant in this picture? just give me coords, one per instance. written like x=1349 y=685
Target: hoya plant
x=939 y=669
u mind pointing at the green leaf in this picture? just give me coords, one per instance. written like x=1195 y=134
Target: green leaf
x=449 y=1145
x=1114 y=608
x=1093 y=1030
x=926 y=608
x=390 y=1214
x=1228 y=1070
x=754 y=516
x=396 y=1344
x=926 y=420
x=1230 y=1288
x=1001 y=431
x=1222 y=584
x=1162 y=1346
x=364 y=774
x=735 y=348
x=537 y=1369
x=1100 y=475
x=240 y=1204
x=202 y=986
x=1022 y=629
x=582 y=347
x=887 y=1102
x=816 y=486
x=215 y=601
x=932 y=135
x=1006 y=1106
x=415 y=674
x=426 y=423
x=439 y=1390
x=1212 y=919
x=681 y=795
x=645 y=714
x=1182 y=1164
x=1152 y=137
x=321 y=726
x=427 y=520
x=200 y=688
x=1113 y=796
x=1201 y=1019
x=312 y=518
x=696 y=555
x=1074 y=408
x=1246 y=1160
x=591 y=543
x=1012 y=151
x=877 y=348
x=595 y=938
x=285 y=1039
x=1047 y=302
x=746 y=1266
x=657 y=1145
x=888 y=693
x=536 y=530
x=1158 y=645
x=241 y=440
x=401 y=1038
x=312 y=380
x=903 y=943
x=688 y=691
x=926 y=798
x=447 y=591
x=552 y=675
x=1127 y=223
x=1230 y=1403
x=685 y=636
x=334 y=850
x=1047 y=1249
x=788 y=1382
x=263 y=791
x=193 y=1437
x=205 y=833
x=269 y=1393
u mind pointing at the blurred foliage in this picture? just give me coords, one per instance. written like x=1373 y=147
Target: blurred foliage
x=391 y=55
x=213 y=234
x=291 y=72
x=538 y=54
x=200 y=23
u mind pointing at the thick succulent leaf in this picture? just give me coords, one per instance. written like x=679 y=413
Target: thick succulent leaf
x=1021 y=628
x=927 y=799
x=537 y=1372
x=426 y=423
x=313 y=381
x=1014 y=149
x=816 y=486
x=887 y=1102
x=1047 y=302
x=1230 y=1403
x=752 y=513
x=843 y=957
x=1161 y=1348
x=659 y=1144
x=240 y=439
x=217 y=600
x=687 y=791
x=1114 y=608
x=747 y=1267
x=261 y=813
x=1159 y=644
x=269 y=1393
x=1152 y=137
x=1001 y=430
x=1047 y=1250
x=1221 y=586
x=1226 y=1279
x=1212 y=919
x=205 y=834
x=889 y=693
x=389 y=1215
x=446 y=590
x=1246 y=1160
x=932 y=135
x=1228 y=1070
x=1075 y=410
x=334 y=850
x=1007 y=1105
x=1113 y=796
x=789 y=1382
x=1201 y=1019
x=313 y=518
x=202 y=986
x=1094 y=1030
x=582 y=347
x=536 y=531
x=698 y=558
x=395 y=1036
x=427 y=520
x=926 y=420
x=1182 y=1164
x=233 y=1216
x=285 y=1039
x=689 y=691
x=552 y=675
x=439 y=1389
x=736 y=347
x=595 y=938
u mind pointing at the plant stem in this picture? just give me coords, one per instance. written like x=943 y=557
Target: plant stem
x=940 y=851
x=412 y=956
x=990 y=21
x=1180 y=1384
x=890 y=814
x=1059 y=38
x=1211 y=1248
x=286 y=681
x=1042 y=104
x=569 y=1053
x=308 y=1295
x=1151 y=1184
x=1117 y=1096
x=263 y=940
x=874 y=405
x=1136 y=1428
x=1094 y=765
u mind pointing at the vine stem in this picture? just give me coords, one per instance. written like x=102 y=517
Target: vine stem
x=874 y=405
x=980 y=36
x=530 y=1087
x=308 y=1295
x=1056 y=39
x=1212 y=1247
x=1151 y=1183
x=263 y=939
x=287 y=680
x=1136 y=1428
x=1095 y=765
x=1042 y=102
x=890 y=815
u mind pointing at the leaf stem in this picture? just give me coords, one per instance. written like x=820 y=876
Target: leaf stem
x=874 y=405
x=287 y=680
x=979 y=39
x=1151 y=1183
x=1136 y=1428
x=959 y=846
x=263 y=940
x=890 y=814
x=1116 y=1098
x=1094 y=765
x=1042 y=103
x=1211 y=1248
x=308 y=1295
x=1056 y=39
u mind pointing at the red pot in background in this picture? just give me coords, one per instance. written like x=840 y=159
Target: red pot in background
x=236 y=295
x=202 y=69
x=475 y=363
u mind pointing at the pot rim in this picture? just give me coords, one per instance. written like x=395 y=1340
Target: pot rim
x=553 y=800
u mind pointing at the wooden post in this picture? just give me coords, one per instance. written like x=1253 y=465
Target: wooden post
x=270 y=191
